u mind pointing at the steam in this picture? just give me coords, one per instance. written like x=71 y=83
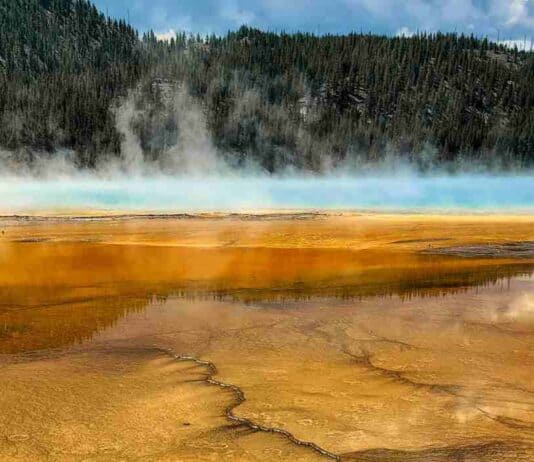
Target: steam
x=190 y=174
x=520 y=309
x=194 y=152
x=132 y=157
x=191 y=153
x=170 y=136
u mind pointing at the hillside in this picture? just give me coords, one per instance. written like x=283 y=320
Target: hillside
x=276 y=101
x=38 y=36
x=62 y=63
x=305 y=101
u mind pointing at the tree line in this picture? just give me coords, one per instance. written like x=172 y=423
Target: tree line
x=279 y=101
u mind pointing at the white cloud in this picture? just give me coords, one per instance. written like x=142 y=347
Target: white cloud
x=425 y=14
x=449 y=14
x=521 y=45
x=512 y=18
x=510 y=13
x=166 y=36
x=522 y=308
x=404 y=32
x=517 y=12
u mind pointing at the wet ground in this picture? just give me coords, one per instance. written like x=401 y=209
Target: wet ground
x=281 y=337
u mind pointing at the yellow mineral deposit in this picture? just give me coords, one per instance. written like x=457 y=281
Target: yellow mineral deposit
x=281 y=336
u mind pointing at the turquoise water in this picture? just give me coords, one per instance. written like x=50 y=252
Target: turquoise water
x=175 y=194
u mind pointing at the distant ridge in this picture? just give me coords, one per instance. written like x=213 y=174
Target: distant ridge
x=274 y=101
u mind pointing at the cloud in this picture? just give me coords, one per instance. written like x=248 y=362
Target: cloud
x=521 y=308
x=166 y=36
x=511 y=19
x=404 y=32
x=513 y=14
x=518 y=13
x=521 y=45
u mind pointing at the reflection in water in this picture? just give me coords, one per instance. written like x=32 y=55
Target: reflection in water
x=475 y=452
x=378 y=379
x=58 y=294
x=37 y=328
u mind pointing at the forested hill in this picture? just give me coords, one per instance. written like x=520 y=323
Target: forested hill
x=274 y=100
x=62 y=64
x=38 y=36
x=298 y=99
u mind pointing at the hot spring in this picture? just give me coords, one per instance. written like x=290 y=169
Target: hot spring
x=232 y=193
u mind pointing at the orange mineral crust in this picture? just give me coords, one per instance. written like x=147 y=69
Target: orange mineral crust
x=281 y=336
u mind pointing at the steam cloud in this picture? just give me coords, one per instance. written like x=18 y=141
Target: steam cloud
x=192 y=175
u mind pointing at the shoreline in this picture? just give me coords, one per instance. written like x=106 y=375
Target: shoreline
x=258 y=214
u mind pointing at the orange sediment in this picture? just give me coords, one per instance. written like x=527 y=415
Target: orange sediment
x=336 y=330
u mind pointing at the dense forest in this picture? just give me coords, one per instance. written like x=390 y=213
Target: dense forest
x=62 y=66
x=275 y=101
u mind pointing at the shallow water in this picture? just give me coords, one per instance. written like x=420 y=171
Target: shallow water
x=363 y=379
x=402 y=192
x=204 y=339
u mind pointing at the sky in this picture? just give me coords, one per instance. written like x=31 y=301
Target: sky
x=511 y=20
